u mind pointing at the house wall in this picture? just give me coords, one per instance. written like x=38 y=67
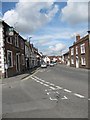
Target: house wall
x=2 y=71
x=79 y=55
x=11 y=47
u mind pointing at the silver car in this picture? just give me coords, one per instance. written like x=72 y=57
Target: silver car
x=43 y=65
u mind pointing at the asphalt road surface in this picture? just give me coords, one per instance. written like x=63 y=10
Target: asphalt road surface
x=53 y=92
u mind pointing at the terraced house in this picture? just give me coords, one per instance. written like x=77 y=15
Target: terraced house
x=12 y=51
x=80 y=52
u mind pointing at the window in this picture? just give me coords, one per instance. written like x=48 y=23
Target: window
x=16 y=41
x=83 y=48
x=9 y=40
x=76 y=50
x=9 y=59
x=23 y=60
x=72 y=51
x=83 y=61
x=72 y=61
x=22 y=44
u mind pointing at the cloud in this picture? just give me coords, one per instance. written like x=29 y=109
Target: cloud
x=75 y=12
x=27 y=18
x=56 y=49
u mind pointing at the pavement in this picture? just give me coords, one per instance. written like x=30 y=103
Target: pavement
x=18 y=77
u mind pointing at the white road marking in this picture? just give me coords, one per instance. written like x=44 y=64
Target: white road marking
x=52 y=84
x=52 y=88
x=57 y=92
x=78 y=95
x=59 y=87
x=64 y=98
x=46 y=90
x=35 y=79
x=52 y=98
x=41 y=82
x=45 y=85
x=67 y=90
x=48 y=93
x=38 y=81
x=47 y=82
x=39 y=78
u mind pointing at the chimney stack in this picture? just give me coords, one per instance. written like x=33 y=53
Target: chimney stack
x=77 y=37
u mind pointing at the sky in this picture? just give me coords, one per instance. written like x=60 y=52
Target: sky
x=52 y=25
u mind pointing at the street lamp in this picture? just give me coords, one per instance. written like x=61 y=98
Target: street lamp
x=30 y=38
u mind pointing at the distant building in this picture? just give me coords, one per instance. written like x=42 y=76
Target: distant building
x=45 y=59
x=66 y=58
x=27 y=55
x=12 y=51
x=56 y=59
x=80 y=52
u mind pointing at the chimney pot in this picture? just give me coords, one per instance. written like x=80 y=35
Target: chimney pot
x=77 y=37
x=88 y=32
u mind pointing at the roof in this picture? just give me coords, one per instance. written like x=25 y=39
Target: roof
x=4 y=23
x=81 y=40
x=66 y=53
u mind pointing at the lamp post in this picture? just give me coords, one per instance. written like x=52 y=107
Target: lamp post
x=30 y=38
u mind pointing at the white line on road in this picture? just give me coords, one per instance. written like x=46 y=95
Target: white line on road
x=45 y=85
x=78 y=95
x=52 y=84
x=52 y=88
x=39 y=79
x=41 y=82
x=48 y=93
x=47 y=82
x=52 y=98
x=64 y=98
x=67 y=90
x=35 y=79
x=59 y=87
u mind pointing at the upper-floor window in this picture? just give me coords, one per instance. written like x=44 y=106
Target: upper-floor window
x=82 y=48
x=9 y=40
x=9 y=58
x=72 y=51
x=16 y=41
x=23 y=59
x=76 y=50
x=83 y=61
x=22 y=44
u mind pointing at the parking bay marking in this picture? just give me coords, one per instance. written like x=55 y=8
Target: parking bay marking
x=66 y=90
x=78 y=95
x=53 y=98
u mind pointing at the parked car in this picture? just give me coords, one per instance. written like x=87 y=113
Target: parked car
x=51 y=64
x=55 y=63
x=43 y=65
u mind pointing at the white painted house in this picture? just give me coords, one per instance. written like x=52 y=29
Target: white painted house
x=2 y=70
x=46 y=59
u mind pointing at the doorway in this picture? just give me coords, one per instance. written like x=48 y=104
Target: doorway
x=77 y=62
x=17 y=62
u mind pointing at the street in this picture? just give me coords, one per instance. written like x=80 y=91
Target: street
x=52 y=92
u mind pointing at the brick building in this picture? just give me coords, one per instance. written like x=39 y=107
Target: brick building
x=12 y=51
x=80 y=52
x=66 y=58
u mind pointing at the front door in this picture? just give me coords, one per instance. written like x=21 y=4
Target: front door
x=17 y=62
x=77 y=63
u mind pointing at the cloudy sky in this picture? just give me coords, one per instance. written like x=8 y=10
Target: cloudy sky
x=52 y=25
